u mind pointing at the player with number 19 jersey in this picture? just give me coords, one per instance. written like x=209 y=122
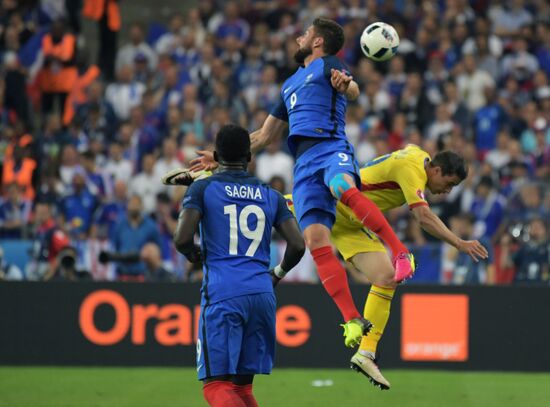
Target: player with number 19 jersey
x=238 y=213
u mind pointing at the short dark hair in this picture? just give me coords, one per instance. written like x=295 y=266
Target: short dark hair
x=332 y=33
x=451 y=164
x=233 y=143
x=88 y=155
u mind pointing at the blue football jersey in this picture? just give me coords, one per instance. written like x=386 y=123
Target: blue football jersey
x=312 y=107
x=238 y=213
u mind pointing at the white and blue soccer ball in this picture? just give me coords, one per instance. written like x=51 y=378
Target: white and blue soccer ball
x=379 y=41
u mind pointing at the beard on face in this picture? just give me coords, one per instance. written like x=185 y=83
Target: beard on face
x=134 y=214
x=302 y=53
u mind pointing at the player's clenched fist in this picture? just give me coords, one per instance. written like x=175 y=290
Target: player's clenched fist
x=339 y=80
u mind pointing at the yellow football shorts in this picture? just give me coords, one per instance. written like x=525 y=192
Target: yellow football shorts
x=351 y=239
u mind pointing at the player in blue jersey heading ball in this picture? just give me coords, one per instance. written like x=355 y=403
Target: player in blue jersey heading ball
x=235 y=213
x=312 y=108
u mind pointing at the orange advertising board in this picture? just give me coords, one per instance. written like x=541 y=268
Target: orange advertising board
x=434 y=327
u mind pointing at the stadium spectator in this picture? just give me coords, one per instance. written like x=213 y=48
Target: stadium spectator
x=472 y=83
x=49 y=242
x=170 y=41
x=519 y=64
x=233 y=25
x=110 y=212
x=508 y=20
x=273 y=162
x=20 y=169
x=488 y=121
x=193 y=24
x=442 y=127
x=457 y=108
x=78 y=95
x=499 y=156
x=118 y=167
x=168 y=159
x=531 y=259
x=137 y=45
x=526 y=204
x=414 y=103
x=15 y=97
x=155 y=270
x=487 y=208
x=166 y=217
x=78 y=207
x=125 y=93
x=146 y=184
x=97 y=180
x=97 y=114
x=59 y=73
x=459 y=268
x=107 y=15
x=69 y=164
x=15 y=213
x=131 y=234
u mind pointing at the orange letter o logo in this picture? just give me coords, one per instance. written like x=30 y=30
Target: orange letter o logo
x=122 y=317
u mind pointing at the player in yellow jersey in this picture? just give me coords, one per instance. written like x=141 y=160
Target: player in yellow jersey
x=389 y=181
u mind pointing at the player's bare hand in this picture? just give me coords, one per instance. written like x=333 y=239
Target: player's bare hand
x=205 y=161
x=339 y=80
x=474 y=249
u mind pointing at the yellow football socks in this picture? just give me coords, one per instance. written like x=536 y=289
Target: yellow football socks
x=377 y=311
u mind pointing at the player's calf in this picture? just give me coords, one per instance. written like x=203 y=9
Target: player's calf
x=221 y=393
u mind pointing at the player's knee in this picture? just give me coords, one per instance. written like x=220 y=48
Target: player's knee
x=316 y=237
x=339 y=184
x=385 y=278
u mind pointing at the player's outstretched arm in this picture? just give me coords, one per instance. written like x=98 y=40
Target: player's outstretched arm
x=188 y=223
x=272 y=129
x=431 y=223
x=295 y=247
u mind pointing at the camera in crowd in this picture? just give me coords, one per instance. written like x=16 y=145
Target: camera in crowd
x=107 y=257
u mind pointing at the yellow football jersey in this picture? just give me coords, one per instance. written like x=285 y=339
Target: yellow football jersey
x=393 y=180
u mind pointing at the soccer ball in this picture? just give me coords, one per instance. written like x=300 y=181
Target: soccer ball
x=379 y=41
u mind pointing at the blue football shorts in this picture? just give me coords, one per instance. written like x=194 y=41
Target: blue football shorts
x=314 y=169
x=237 y=336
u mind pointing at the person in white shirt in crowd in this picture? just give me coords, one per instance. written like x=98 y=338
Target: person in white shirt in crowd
x=146 y=184
x=137 y=45
x=499 y=156
x=193 y=24
x=168 y=42
x=168 y=160
x=472 y=82
x=117 y=166
x=125 y=93
x=273 y=162
x=69 y=164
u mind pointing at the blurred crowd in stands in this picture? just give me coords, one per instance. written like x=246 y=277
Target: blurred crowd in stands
x=84 y=139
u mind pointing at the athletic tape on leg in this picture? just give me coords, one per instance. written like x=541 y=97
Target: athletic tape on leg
x=339 y=185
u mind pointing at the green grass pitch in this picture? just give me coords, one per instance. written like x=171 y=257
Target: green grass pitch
x=150 y=387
